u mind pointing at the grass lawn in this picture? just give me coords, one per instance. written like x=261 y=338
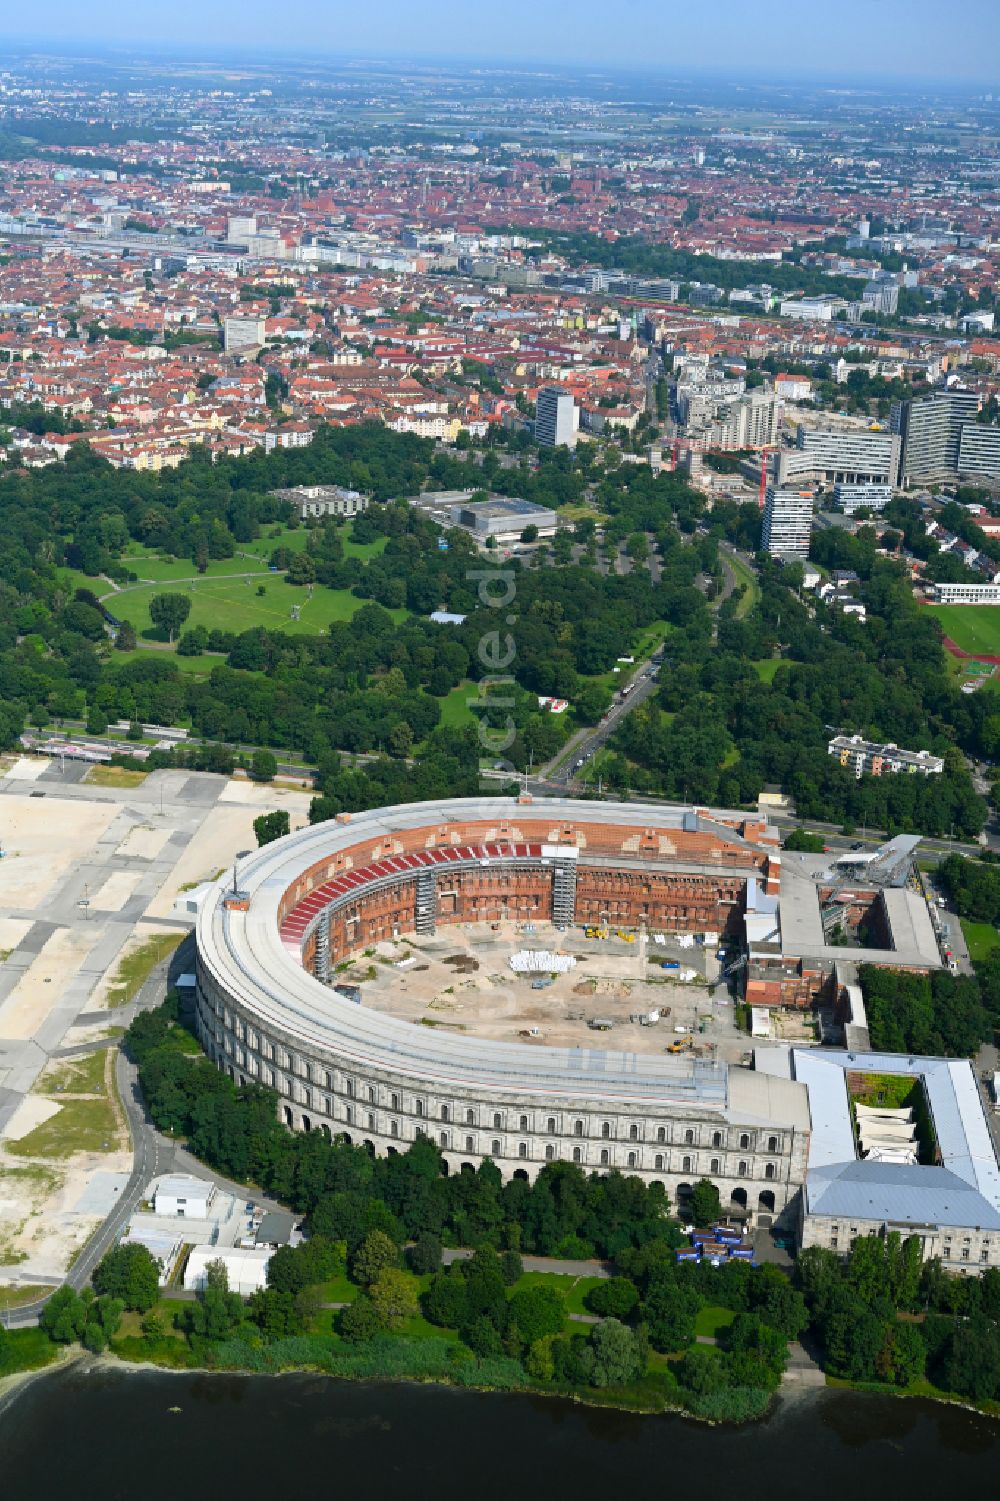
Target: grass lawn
x=337 y=1290
x=766 y=670
x=26 y=1350
x=15 y=1297
x=161 y=568
x=572 y=1289
x=455 y=711
x=80 y=1126
x=744 y=575
x=711 y=1320
x=83 y=1075
x=234 y=605
x=364 y=550
x=135 y=969
x=294 y=538
x=195 y=666
x=982 y=938
x=973 y=628
x=115 y=776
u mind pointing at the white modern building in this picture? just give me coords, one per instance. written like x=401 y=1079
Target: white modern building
x=788 y=518
x=851 y=498
x=183 y=1197
x=242 y=335
x=848 y=456
x=557 y=418
x=967 y=594
x=246 y=1267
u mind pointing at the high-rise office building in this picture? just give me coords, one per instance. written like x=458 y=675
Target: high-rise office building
x=931 y=431
x=555 y=418
x=788 y=516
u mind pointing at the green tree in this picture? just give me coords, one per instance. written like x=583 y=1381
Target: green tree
x=619 y=1354
x=169 y=611
x=537 y=1311
x=218 y=1311
x=64 y=1316
x=271 y=826
x=394 y=1297
x=704 y=1204
x=614 y=1298
x=359 y=1321
x=375 y=1255
x=424 y=1256
x=264 y=766
x=131 y=1273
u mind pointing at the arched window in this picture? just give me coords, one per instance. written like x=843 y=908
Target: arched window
x=772 y=1144
x=658 y=1162
x=577 y=1155
x=686 y=1165
x=419 y=1106
x=550 y=1152
x=350 y=1089
x=349 y=1114
x=497 y=1121
x=551 y=1125
x=393 y=1128
x=470 y=1117
x=606 y=1129
x=744 y=1169
x=443 y=1138
x=744 y=1142
x=632 y=1159
x=717 y=1138
x=523 y=1124
x=633 y=1133
x=689 y=1138
x=495 y=1149
x=395 y=1101
x=661 y=1134
x=578 y=1128
x=371 y=1094
x=470 y=1145
x=714 y=1166
x=371 y=1123
x=605 y=1156
x=522 y=1149
x=770 y=1171
x=444 y=1112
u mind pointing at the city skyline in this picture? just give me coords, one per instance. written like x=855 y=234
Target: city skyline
x=902 y=39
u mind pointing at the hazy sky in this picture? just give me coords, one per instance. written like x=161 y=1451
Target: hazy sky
x=959 y=39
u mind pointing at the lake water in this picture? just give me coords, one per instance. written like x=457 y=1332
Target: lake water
x=107 y=1435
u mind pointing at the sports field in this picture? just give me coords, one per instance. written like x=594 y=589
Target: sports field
x=973 y=628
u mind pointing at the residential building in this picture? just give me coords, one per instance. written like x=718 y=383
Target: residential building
x=854 y=456
x=930 y=429
x=556 y=418
x=788 y=517
x=979 y=450
x=866 y=756
x=243 y=335
x=325 y=500
x=870 y=497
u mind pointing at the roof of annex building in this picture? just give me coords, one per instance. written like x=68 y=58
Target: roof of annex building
x=802 y=936
x=246 y=954
x=963 y=1189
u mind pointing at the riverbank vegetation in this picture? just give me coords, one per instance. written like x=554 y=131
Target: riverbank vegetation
x=373 y=1291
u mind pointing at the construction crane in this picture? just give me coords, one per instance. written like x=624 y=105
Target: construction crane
x=677 y=444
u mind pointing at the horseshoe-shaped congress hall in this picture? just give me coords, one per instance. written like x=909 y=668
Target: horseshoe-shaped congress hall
x=275 y=935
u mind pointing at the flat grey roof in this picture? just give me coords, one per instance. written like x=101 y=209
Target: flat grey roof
x=802 y=936
x=963 y=1190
